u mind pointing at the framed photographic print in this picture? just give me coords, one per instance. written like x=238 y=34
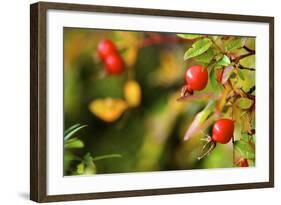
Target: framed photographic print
x=134 y=102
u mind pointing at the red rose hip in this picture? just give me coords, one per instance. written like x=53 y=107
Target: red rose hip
x=223 y=131
x=114 y=64
x=105 y=48
x=196 y=77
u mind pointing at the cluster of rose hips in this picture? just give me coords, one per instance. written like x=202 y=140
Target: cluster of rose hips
x=110 y=56
x=196 y=78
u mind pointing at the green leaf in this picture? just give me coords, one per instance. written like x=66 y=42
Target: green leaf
x=233 y=44
x=239 y=52
x=88 y=159
x=89 y=170
x=217 y=40
x=251 y=43
x=70 y=129
x=198 y=48
x=90 y=165
x=248 y=84
x=240 y=74
x=219 y=56
x=199 y=119
x=205 y=58
x=69 y=156
x=244 y=149
x=73 y=131
x=244 y=103
x=73 y=143
x=213 y=79
x=246 y=137
x=80 y=168
x=107 y=157
x=249 y=61
x=225 y=61
x=189 y=36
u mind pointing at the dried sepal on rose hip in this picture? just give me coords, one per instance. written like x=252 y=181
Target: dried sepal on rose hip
x=196 y=78
x=110 y=56
x=222 y=133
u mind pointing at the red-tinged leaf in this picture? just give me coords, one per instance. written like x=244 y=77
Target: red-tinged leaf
x=226 y=74
x=199 y=119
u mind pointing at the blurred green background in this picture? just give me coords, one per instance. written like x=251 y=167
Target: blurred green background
x=147 y=137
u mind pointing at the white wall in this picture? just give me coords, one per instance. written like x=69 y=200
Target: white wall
x=14 y=101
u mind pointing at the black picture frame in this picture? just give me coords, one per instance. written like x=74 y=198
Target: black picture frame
x=38 y=101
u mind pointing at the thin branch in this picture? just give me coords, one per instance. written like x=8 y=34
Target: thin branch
x=244 y=56
x=245 y=68
x=248 y=49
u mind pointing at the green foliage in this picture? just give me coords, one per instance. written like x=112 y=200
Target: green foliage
x=72 y=130
x=86 y=165
x=233 y=44
x=206 y=57
x=244 y=149
x=215 y=84
x=249 y=61
x=244 y=103
x=240 y=74
x=199 y=119
x=235 y=58
x=198 y=48
x=250 y=43
x=189 y=36
x=73 y=143
x=225 y=61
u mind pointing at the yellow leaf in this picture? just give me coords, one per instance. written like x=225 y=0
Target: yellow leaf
x=108 y=109
x=169 y=70
x=132 y=93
